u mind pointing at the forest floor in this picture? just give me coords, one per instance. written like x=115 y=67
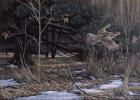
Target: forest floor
x=55 y=75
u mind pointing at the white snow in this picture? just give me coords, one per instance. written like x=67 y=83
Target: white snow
x=134 y=84
x=1 y=68
x=79 y=83
x=113 y=84
x=77 y=72
x=78 y=77
x=61 y=54
x=13 y=66
x=78 y=63
x=52 y=95
x=92 y=90
x=9 y=82
x=92 y=77
x=116 y=76
x=131 y=93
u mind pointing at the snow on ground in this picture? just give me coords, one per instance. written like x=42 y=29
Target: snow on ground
x=92 y=90
x=134 y=84
x=113 y=84
x=78 y=63
x=92 y=77
x=13 y=66
x=61 y=54
x=102 y=88
x=116 y=76
x=52 y=95
x=78 y=77
x=8 y=82
x=77 y=72
x=79 y=83
x=131 y=93
x=1 y=68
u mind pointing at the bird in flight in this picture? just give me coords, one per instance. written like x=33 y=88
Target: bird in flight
x=104 y=37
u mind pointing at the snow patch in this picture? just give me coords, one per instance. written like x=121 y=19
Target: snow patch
x=77 y=72
x=9 y=82
x=134 y=84
x=60 y=54
x=132 y=93
x=79 y=83
x=52 y=95
x=113 y=84
x=78 y=63
x=92 y=77
x=78 y=77
x=116 y=76
x=92 y=90
x=1 y=68
x=13 y=66
x=89 y=91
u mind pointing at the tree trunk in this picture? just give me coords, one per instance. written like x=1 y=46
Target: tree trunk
x=126 y=80
x=22 y=61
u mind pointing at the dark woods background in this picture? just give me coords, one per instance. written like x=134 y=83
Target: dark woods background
x=84 y=17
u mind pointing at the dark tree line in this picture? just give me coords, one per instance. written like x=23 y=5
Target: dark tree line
x=68 y=37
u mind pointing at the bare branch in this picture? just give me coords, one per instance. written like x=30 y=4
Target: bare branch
x=24 y=4
x=30 y=7
x=42 y=2
x=33 y=7
x=45 y=26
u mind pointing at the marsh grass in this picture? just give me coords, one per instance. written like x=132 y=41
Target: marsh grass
x=5 y=95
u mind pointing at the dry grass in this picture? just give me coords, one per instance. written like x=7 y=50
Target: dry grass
x=97 y=68
x=5 y=95
x=114 y=65
x=126 y=65
x=51 y=81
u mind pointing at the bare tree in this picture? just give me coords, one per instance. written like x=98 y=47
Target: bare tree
x=36 y=7
x=126 y=14
x=129 y=20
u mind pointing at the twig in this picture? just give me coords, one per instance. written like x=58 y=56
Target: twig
x=73 y=81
